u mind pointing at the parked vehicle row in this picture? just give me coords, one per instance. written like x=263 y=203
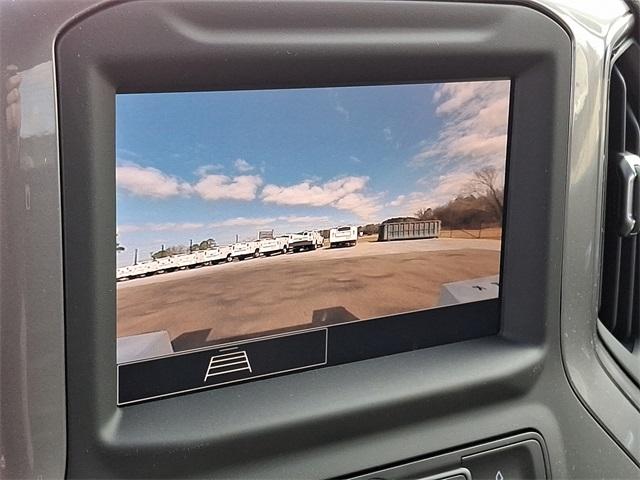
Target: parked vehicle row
x=308 y=240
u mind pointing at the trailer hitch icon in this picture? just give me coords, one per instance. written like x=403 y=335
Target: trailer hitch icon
x=227 y=363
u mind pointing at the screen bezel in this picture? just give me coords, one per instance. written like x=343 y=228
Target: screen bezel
x=168 y=49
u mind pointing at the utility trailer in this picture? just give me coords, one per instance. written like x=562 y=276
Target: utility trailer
x=409 y=230
x=343 y=236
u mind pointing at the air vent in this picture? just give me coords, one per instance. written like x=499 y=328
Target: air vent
x=620 y=296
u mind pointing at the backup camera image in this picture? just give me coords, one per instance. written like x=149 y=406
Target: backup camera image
x=246 y=214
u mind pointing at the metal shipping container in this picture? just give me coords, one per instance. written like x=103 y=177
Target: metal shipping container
x=409 y=230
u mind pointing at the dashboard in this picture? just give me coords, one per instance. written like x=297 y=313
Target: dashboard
x=367 y=239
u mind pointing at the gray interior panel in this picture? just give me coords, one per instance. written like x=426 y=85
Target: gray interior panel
x=540 y=379
x=353 y=417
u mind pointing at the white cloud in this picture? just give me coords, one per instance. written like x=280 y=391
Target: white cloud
x=309 y=193
x=221 y=187
x=304 y=219
x=270 y=221
x=203 y=170
x=243 y=222
x=474 y=135
x=242 y=165
x=343 y=193
x=444 y=188
x=153 y=183
x=363 y=206
x=355 y=159
x=388 y=136
x=343 y=111
x=159 y=227
x=399 y=200
x=338 y=107
x=476 y=122
x=124 y=153
x=149 y=182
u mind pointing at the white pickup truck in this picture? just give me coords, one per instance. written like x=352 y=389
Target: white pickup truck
x=272 y=246
x=175 y=262
x=213 y=255
x=242 y=250
x=343 y=236
x=149 y=267
x=307 y=240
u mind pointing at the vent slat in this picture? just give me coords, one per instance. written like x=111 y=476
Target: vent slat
x=620 y=295
x=622 y=327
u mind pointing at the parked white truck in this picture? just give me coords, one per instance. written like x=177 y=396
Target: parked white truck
x=214 y=255
x=174 y=262
x=343 y=236
x=307 y=240
x=242 y=250
x=271 y=246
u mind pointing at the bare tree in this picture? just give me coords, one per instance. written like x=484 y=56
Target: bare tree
x=167 y=252
x=206 y=244
x=486 y=182
x=424 y=214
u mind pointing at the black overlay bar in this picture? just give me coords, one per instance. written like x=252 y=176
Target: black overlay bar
x=214 y=367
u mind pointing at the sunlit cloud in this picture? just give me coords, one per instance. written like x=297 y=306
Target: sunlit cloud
x=398 y=201
x=159 y=227
x=310 y=193
x=149 y=182
x=344 y=193
x=153 y=183
x=304 y=219
x=267 y=221
x=476 y=123
x=438 y=191
x=221 y=187
x=243 y=222
x=203 y=170
x=242 y=165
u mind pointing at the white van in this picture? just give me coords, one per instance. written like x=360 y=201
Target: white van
x=343 y=236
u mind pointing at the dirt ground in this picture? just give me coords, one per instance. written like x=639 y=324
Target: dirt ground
x=200 y=307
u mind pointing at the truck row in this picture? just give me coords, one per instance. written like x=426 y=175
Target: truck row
x=308 y=240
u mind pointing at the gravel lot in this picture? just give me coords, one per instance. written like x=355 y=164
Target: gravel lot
x=228 y=301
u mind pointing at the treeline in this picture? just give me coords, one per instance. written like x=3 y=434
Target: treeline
x=468 y=211
x=480 y=204
x=180 y=249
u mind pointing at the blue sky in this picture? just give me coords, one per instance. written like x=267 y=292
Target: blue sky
x=221 y=164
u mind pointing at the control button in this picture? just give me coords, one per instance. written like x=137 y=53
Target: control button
x=520 y=461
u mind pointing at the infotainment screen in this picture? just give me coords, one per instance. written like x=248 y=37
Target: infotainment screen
x=262 y=232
